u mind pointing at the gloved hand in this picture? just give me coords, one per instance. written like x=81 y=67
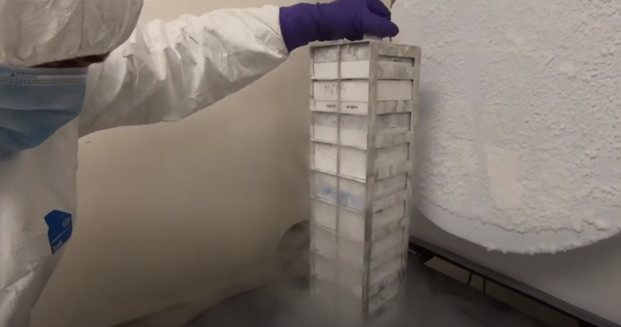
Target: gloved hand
x=342 y=19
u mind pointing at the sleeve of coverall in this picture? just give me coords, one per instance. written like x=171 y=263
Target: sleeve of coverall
x=168 y=71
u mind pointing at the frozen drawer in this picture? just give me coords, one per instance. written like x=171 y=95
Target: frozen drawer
x=359 y=91
x=352 y=193
x=388 y=161
x=351 y=224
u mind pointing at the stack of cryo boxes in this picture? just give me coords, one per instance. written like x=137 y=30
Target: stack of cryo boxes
x=364 y=103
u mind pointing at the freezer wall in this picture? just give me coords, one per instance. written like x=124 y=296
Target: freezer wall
x=522 y=93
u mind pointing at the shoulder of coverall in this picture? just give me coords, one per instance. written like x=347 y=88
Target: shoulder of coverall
x=55 y=30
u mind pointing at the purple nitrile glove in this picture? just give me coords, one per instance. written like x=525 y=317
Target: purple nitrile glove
x=342 y=19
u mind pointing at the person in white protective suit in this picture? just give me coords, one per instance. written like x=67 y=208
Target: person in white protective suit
x=73 y=67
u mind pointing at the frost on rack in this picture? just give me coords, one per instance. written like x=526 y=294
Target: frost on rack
x=364 y=98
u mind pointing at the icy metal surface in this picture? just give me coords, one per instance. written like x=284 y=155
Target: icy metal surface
x=431 y=299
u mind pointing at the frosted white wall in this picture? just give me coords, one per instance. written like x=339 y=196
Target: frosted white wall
x=521 y=129
x=176 y=212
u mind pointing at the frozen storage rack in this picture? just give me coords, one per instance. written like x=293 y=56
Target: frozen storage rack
x=364 y=105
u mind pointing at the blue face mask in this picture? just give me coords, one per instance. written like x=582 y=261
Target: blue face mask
x=35 y=103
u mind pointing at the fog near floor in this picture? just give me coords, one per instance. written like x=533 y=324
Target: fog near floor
x=430 y=299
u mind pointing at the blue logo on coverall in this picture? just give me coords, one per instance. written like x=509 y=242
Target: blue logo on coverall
x=60 y=229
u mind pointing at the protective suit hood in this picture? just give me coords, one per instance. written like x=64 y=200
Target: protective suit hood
x=42 y=31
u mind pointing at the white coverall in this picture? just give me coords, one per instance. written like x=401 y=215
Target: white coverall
x=163 y=72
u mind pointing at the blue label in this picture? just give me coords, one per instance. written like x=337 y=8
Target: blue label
x=345 y=199
x=60 y=229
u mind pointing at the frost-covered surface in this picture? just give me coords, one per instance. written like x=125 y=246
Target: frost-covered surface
x=521 y=124
x=431 y=300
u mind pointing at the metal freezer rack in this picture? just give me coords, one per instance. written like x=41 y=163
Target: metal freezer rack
x=364 y=105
